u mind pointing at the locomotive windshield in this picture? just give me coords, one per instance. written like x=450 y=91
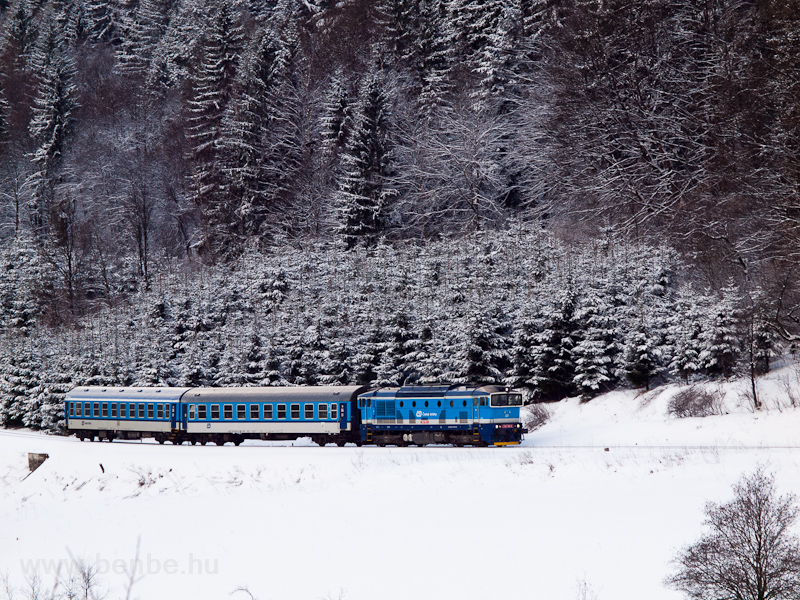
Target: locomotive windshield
x=506 y=399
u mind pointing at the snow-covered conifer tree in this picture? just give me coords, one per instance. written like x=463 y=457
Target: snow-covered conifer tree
x=211 y=86
x=595 y=354
x=365 y=188
x=720 y=339
x=52 y=121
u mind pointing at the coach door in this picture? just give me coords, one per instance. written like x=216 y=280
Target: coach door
x=342 y=416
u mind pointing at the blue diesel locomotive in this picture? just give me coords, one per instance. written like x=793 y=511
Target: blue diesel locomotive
x=479 y=415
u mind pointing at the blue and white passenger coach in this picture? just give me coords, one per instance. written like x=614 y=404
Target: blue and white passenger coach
x=457 y=414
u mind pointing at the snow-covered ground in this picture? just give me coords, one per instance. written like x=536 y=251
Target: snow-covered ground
x=388 y=523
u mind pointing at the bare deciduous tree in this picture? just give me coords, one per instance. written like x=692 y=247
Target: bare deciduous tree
x=748 y=552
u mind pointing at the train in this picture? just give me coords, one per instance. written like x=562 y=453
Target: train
x=457 y=414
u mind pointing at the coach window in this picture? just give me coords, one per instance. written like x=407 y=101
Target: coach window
x=295 y=411
x=113 y=410
x=309 y=410
x=201 y=412
x=474 y=402
x=215 y=412
x=149 y=411
x=254 y=412
x=72 y=409
x=483 y=401
x=78 y=407
x=191 y=412
x=122 y=412
x=159 y=411
x=227 y=411
x=241 y=412
x=323 y=411
x=141 y=411
x=281 y=411
x=268 y=412
x=96 y=409
x=334 y=411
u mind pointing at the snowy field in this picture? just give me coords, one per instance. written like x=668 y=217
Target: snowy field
x=372 y=523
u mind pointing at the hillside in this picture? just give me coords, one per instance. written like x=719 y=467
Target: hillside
x=307 y=522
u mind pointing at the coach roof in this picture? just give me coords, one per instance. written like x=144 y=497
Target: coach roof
x=110 y=394
x=321 y=393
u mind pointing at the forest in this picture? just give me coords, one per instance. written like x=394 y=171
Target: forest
x=562 y=195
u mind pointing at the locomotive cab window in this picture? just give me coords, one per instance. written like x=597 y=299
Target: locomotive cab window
x=201 y=411
x=506 y=399
x=227 y=411
x=215 y=412
x=281 y=411
x=241 y=412
x=323 y=411
x=268 y=412
x=295 y=411
x=309 y=411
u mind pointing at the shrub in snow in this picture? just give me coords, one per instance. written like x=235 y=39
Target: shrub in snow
x=534 y=416
x=694 y=402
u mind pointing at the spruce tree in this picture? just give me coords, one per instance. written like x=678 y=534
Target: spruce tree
x=554 y=372
x=52 y=121
x=720 y=338
x=597 y=349
x=365 y=189
x=211 y=86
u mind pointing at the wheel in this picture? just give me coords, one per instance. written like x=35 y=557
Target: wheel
x=340 y=444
